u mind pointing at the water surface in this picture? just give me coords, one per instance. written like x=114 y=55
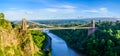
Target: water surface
x=59 y=46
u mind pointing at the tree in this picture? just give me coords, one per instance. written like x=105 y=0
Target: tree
x=93 y=53
x=110 y=43
x=102 y=42
x=110 y=32
x=1 y=16
x=118 y=34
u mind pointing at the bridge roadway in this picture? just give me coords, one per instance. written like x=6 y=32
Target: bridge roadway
x=61 y=28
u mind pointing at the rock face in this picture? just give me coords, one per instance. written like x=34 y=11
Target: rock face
x=8 y=41
x=13 y=43
x=16 y=42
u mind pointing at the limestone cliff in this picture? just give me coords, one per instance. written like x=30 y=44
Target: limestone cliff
x=13 y=42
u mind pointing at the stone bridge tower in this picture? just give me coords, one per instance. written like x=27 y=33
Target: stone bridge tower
x=92 y=29
x=92 y=23
x=24 y=24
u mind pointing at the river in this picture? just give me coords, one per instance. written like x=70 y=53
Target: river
x=59 y=46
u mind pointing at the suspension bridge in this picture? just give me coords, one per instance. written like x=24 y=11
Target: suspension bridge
x=90 y=28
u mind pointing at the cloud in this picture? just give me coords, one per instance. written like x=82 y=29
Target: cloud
x=103 y=9
x=59 y=10
x=51 y=9
x=89 y=11
x=100 y=10
x=68 y=6
x=46 y=13
x=42 y=14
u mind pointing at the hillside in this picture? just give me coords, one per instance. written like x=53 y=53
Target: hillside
x=105 y=41
x=15 y=43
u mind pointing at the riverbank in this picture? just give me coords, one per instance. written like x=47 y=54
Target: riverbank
x=47 y=47
x=72 y=41
x=59 y=46
x=41 y=40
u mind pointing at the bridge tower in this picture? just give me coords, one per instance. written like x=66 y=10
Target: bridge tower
x=24 y=24
x=91 y=30
x=92 y=23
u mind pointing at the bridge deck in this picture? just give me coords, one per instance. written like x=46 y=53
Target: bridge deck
x=61 y=28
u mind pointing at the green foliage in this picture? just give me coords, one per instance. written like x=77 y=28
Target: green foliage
x=40 y=40
x=4 y=23
x=24 y=39
x=1 y=52
x=17 y=52
x=31 y=27
x=17 y=26
x=39 y=54
x=103 y=42
x=38 y=37
x=118 y=34
x=1 y=16
x=7 y=48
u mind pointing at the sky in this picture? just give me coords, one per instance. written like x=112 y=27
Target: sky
x=59 y=9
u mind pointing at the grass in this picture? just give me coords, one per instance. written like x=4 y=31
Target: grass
x=1 y=53
x=7 y=48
